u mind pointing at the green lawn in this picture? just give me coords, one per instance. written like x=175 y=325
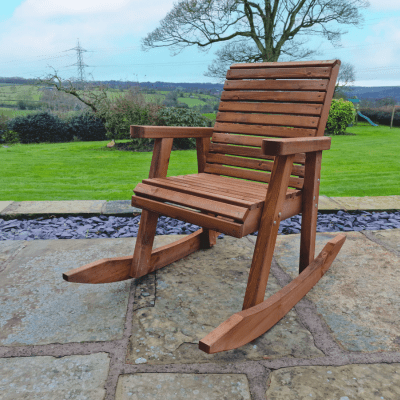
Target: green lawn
x=367 y=164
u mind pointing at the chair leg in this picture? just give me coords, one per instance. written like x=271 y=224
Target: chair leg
x=208 y=238
x=309 y=209
x=268 y=232
x=144 y=244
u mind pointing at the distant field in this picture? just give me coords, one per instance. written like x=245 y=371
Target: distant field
x=191 y=102
x=211 y=116
x=12 y=112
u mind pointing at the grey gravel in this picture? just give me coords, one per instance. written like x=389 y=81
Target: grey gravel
x=119 y=227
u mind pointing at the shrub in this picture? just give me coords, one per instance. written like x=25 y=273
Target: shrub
x=131 y=109
x=87 y=127
x=3 y=126
x=41 y=127
x=182 y=117
x=11 y=137
x=341 y=114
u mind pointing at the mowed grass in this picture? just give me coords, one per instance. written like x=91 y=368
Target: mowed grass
x=366 y=164
x=78 y=171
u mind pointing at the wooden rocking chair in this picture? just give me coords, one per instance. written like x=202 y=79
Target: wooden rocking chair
x=269 y=134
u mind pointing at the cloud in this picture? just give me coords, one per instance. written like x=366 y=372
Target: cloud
x=385 y=5
x=47 y=27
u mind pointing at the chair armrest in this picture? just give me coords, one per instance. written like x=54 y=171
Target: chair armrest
x=159 y=132
x=282 y=147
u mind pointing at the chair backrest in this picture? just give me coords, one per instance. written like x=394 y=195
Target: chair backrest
x=272 y=99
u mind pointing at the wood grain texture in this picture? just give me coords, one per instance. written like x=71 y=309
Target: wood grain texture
x=117 y=269
x=279 y=72
x=279 y=108
x=263 y=130
x=160 y=132
x=193 y=201
x=275 y=147
x=202 y=147
x=245 y=326
x=288 y=64
x=281 y=84
x=266 y=238
x=310 y=208
x=298 y=121
x=206 y=221
x=306 y=97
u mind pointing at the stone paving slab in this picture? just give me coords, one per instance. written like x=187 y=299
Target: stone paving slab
x=369 y=202
x=327 y=204
x=181 y=303
x=120 y=207
x=54 y=207
x=349 y=382
x=164 y=386
x=359 y=295
x=39 y=307
x=4 y=205
x=8 y=250
x=49 y=378
x=389 y=238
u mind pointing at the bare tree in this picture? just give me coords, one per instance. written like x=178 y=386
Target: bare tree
x=345 y=77
x=95 y=97
x=259 y=30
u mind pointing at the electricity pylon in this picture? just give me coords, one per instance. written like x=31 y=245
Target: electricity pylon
x=80 y=64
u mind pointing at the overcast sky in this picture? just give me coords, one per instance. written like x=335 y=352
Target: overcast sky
x=35 y=34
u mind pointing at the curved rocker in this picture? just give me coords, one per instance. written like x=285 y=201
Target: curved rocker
x=116 y=269
x=245 y=326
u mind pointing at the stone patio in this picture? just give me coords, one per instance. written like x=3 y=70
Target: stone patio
x=138 y=339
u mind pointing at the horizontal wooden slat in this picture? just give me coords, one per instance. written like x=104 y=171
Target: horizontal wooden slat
x=261 y=130
x=235 y=95
x=235 y=189
x=279 y=108
x=290 y=84
x=246 y=187
x=280 y=73
x=254 y=141
x=206 y=221
x=156 y=132
x=288 y=64
x=254 y=187
x=248 y=174
x=247 y=152
x=213 y=158
x=192 y=201
x=200 y=189
x=291 y=120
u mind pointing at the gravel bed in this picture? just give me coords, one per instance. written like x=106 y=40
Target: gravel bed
x=119 y=227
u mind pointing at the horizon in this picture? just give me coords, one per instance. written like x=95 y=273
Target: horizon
x=47 y=35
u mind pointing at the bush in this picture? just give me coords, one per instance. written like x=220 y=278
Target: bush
x=87 y=127
x=11 y=137
x=341 y=114
x=41 y=127
x=182 y=117
x=131 y=109
x=3 y=126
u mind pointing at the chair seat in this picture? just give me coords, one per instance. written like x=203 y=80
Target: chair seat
x=232 y=206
